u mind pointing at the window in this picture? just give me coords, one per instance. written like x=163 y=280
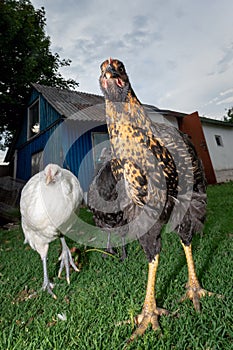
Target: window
x=35 y=162
x=100 y=140
x=218 y=140
x=33 y=119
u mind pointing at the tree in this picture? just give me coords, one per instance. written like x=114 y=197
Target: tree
x=25 y=58
x=229 y=117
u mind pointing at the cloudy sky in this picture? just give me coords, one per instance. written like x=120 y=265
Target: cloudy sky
x=178 y=53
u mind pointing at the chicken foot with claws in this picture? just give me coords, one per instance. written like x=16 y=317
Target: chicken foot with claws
x=150 y=311
x=194 y=290
x=66 y=260
x=47 y=285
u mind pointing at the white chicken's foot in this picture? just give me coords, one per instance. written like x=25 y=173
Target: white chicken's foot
x=66 y=261
x=47 y=285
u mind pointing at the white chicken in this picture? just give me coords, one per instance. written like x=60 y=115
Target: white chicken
x=48 y=205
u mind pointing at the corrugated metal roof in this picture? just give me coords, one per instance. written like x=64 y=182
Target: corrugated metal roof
x=74 y=104
x=84 y=106
x=216 y=122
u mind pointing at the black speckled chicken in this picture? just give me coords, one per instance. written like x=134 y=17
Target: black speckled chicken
x=104 y=191
x=163 y=178
x=48 y=205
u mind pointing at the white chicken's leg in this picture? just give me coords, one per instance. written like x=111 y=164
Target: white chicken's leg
x=47 y=285
x=66 y=260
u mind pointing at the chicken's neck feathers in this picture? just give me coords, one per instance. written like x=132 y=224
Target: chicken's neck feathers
x=128 y=113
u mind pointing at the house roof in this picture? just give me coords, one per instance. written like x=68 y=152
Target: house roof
x=216 y=122
x=71 y=104
x=80 y=106
x=85 y=106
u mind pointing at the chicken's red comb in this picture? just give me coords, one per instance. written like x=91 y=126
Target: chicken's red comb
x=110 y=60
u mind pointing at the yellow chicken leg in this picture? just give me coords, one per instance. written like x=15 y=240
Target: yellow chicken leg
x=150 y=311
x=194 y=290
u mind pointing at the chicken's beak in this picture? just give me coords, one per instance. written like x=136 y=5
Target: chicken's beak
x=48 y=179
x=110 y=72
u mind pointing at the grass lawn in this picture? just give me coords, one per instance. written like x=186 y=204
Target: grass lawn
x=107 y=291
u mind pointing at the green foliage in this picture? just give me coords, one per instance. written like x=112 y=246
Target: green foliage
x=107 y=291
x=229 y=117
x=25 y=57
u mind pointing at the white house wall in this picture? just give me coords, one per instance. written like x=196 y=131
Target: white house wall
x=159 y=118
x=221 y=156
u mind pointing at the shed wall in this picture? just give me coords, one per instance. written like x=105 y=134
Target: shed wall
x=69 y=145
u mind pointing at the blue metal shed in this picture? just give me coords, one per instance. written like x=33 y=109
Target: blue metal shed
x=64 y=124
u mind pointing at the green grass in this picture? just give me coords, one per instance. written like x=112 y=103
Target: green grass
x=107 y=291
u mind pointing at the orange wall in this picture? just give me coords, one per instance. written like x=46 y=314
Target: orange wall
x=191 y=125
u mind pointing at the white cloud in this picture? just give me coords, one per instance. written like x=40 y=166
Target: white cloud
x=226 y=101
x=229 y=91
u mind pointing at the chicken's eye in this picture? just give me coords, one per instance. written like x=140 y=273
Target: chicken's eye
x=121 y=69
